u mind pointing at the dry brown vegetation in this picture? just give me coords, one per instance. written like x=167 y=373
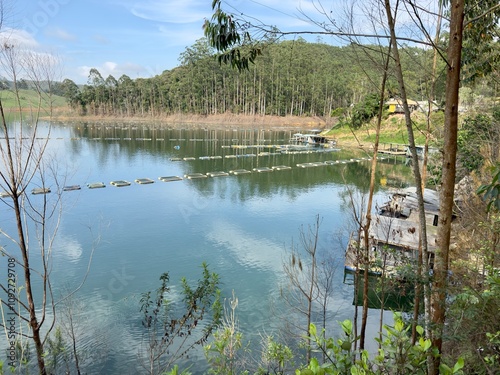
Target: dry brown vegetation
x=227 y=120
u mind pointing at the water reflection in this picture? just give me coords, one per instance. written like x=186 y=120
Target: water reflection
x=241 y=225
x=248 y=250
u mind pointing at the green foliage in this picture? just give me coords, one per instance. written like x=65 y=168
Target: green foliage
x=474 y=325
x=365 y=110
x=175 y=371
x=56 y=351
x=71 y=92
x=480 y=49
x=476 y=131
x=226 y=34
x=491 y=192
x=397 y=354
x=338 y=112
x=277 y=356
x=492 y=359
x=171 y=331
x=222 y=353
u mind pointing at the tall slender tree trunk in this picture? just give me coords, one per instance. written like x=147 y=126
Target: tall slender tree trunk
x=423 y=246
x=366 y=226
x=446 y=194
x=423 y=256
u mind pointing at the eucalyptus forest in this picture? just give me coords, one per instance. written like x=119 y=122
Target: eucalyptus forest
x=296 y=78
x=243 y=67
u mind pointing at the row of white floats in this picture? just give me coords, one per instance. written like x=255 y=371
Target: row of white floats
x=232 y=156
x=194 y=176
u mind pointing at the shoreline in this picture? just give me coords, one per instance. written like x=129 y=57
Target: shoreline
x=218 y=122
x=223 y=121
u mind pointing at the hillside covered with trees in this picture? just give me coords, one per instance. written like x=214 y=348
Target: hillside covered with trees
x=290 y=78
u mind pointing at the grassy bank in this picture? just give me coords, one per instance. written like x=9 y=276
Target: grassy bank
x=29 y=99
x=393 y=131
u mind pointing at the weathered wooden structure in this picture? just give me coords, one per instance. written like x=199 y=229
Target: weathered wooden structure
x=394 y=234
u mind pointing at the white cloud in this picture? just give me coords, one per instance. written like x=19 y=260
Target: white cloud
x=174 y=11
x=247 y=249
x=180 y=36
x=68 y=248
x=59 y=33
x=18 y=38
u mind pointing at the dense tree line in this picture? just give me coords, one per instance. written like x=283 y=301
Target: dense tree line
x=291 y=78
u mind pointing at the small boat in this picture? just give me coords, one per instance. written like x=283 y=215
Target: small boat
x=71 y=187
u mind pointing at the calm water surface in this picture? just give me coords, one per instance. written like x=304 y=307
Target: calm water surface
x=241 y=225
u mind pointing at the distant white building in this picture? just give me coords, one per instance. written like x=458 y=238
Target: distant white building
x=423 y=106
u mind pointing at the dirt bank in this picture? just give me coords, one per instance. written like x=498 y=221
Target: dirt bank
x=223 y=121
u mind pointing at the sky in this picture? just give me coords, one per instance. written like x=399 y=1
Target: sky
x=142 y=38
x=136 y=38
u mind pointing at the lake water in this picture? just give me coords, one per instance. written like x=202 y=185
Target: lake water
x=242 y=226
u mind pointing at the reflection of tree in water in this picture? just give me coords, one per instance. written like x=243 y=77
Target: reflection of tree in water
x=109 y=142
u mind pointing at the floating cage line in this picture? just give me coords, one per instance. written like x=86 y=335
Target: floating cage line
x=210 y=157
x=250 y=155
x=237 y=143
x=192 y=176
x=333 y=162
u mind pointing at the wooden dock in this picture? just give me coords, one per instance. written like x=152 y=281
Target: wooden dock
x=392 y=152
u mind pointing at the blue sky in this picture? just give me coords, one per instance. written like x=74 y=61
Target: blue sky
x=137 y=38
x=142 y=38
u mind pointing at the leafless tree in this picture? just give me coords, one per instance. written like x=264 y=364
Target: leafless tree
x=309 y=282
x=31 y=190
